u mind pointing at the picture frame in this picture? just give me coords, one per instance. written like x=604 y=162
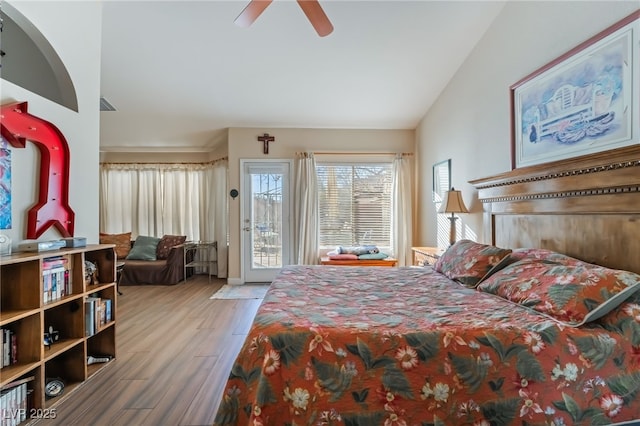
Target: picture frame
x=583 y=102
x=5 y=184
x=441 y=180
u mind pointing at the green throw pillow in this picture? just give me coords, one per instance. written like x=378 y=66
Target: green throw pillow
x=145 y=248
x=373 y=256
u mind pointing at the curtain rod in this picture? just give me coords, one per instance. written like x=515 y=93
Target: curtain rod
x=163 y=163
x=408 y=154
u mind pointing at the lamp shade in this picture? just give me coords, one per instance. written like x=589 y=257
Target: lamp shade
x=453 y=203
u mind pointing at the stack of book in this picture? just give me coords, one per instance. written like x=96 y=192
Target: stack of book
x=97 y=313
x=56 y=278
x=9 y=352
x=13 y=402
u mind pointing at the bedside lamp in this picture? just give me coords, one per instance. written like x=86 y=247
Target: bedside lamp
x=453 y=203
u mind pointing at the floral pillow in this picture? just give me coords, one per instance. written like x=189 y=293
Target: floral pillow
x=543 y=254
x=625 y=319
x=469 y=262
x=167 y=242
x=574 y=294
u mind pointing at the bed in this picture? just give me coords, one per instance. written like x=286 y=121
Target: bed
x=541 y=325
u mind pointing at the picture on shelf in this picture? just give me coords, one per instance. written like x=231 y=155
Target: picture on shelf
x=90 y=273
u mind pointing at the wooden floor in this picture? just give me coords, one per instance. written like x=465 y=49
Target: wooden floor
x=175 y=348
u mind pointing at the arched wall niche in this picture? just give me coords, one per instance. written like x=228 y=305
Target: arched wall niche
x=29 y=60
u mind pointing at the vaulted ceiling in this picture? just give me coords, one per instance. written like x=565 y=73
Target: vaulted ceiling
x=180 y=72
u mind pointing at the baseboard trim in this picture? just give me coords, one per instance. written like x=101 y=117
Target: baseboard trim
x=235 y=281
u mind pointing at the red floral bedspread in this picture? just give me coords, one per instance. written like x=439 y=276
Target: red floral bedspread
x=407 y=346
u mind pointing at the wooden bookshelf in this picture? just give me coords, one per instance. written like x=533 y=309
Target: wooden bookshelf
x=28 y=313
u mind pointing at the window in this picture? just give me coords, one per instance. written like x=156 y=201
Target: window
x=355 y=204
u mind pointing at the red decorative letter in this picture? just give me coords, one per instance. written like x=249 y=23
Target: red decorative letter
x=52 y=208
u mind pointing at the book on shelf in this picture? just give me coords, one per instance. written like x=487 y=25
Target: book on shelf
x=54 y=261
x=14 y=348
x=9 y=345
x=107 y=310
x=101 y=314
x=56 y=278
x=89 y=317
x=17 y=382
x=13 y=404
x=98 y=313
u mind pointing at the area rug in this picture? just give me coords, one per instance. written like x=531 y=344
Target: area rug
x=244 y=291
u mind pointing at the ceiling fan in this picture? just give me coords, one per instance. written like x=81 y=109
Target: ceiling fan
x=311 y=8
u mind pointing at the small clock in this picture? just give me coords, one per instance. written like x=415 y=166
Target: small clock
x=54 y=388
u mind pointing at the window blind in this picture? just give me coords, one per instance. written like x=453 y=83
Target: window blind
x=354 y=204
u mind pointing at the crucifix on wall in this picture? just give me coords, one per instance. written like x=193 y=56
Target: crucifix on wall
x=265 y=139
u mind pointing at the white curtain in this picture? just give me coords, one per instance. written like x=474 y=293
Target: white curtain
x=130 y=200
x=306 y=210
x=401 y=225
x=167 y=199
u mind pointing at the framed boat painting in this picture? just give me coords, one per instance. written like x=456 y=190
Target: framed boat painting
x=583 y=102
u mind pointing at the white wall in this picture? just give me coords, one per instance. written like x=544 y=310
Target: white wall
x=243 y=144
x=216 y=150
x=469 y=123
x=74 y=31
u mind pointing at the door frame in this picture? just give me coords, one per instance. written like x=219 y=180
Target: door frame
x=243 y=163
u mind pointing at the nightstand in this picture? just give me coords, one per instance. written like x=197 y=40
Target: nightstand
x=426 y=255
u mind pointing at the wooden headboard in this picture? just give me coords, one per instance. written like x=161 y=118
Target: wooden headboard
x=586 y=207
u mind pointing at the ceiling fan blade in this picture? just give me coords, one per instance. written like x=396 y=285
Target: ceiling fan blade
x=251 y=12
x=316 y=16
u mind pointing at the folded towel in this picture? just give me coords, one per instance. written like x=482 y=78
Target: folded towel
x=357 y=250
